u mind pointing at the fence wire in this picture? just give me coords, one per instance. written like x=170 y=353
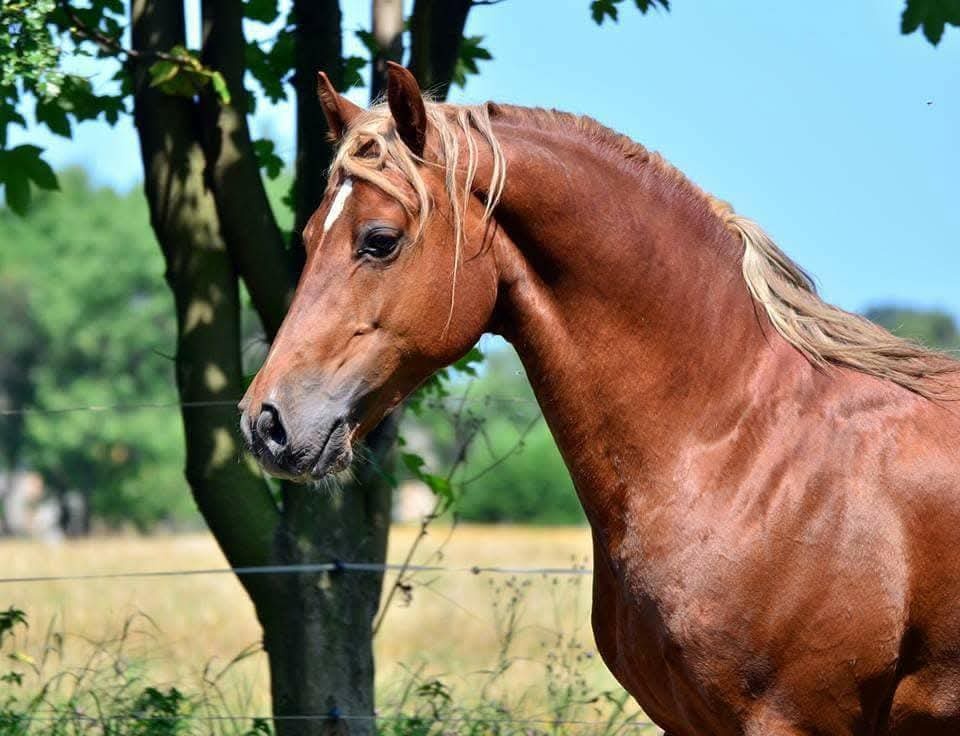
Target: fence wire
x=135 y=406
x=51 y=717
x=319 y=567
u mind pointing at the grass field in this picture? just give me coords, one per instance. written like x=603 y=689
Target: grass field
x=453 y=628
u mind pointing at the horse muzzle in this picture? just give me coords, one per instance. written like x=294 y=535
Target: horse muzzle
x=299 y=444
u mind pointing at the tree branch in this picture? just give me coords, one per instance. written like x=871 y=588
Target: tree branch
x=108 y=43
x=318 y=48
x=246 y=219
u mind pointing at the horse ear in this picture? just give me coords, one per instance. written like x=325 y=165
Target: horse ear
x=338 y=110
x=407 y=108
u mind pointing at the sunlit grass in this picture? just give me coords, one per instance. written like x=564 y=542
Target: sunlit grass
x=523 y=639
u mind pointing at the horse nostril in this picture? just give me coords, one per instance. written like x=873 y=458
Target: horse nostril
x=270 y=427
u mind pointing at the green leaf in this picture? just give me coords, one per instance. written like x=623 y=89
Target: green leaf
x=51 y=114
x=40 y=173
x=470 y=51
x=220 y=87
x=467 y=362
x=17 y=192
x=930 y=15
x=10 y=619
x=644 y=5
x=601 y=9
x=413 y=462
x=270 y=68
x=18 y=167
x=162 y=72
x=8 y=115
x=440 y=486
x=369 y=42
x=933 y=30
x=263 y=11
x=351 y=72
x=267 y=158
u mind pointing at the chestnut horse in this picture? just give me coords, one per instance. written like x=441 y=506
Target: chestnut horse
x=773 y=484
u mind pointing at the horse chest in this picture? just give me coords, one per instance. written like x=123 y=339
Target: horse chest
x=673 y=641
x=657 y=642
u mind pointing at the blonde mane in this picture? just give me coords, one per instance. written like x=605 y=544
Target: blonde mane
x=372 y=151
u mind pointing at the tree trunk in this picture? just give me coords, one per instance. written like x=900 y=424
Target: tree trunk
x=317 y=629
x=436 y=30
x=318 y=48
x=214 y=225
x=213 y=222
x=231 y=495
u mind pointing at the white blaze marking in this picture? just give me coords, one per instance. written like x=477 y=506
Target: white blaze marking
x=339 y=200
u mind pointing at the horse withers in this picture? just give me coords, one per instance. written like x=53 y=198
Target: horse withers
x=772 y=483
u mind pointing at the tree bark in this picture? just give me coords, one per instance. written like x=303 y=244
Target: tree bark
x=231 y=495
x=436 y=30
x=249 y=228
x=318 y=47
x=317 y=630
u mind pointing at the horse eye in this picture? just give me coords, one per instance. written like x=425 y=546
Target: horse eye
x=379 y=243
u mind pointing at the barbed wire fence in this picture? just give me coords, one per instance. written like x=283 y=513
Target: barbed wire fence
x=404 y=571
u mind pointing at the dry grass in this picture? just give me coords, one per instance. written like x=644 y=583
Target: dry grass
x=448 y=628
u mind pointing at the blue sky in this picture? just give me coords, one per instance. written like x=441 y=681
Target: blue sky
x=839 y=135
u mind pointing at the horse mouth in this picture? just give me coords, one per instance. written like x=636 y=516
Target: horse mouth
x=335 y=454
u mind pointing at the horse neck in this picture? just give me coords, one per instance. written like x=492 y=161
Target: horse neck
x=622 y=293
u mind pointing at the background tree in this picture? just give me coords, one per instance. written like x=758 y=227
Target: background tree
x=22 y=344
x=932 y=327
x=95 y=328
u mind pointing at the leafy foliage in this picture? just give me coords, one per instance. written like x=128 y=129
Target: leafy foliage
x=470 y=53
x=479 y=704
x=36 y=36
x=264 y=11
x=32 y=42
x=267 y=158
x=28 y=51
x=18 y=168
x=506 y=467
x=600 y=10
x=23 y=342
x=931 y=15
x=182 y=73
x=272 y=66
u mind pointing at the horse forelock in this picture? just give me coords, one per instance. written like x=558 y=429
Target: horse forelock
x=371 y=150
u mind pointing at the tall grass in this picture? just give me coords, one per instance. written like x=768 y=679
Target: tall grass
x=111 y=694
x=485 y=704
x=457 y=654
x=108 y=693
